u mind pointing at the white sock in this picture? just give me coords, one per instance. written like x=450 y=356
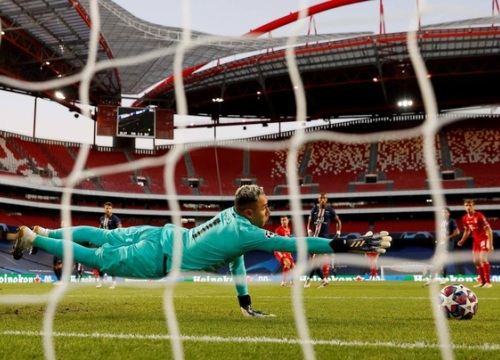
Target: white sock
x=42 y=231
x=29 y=235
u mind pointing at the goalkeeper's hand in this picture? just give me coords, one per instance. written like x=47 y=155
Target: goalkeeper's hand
x=369 y=242
x=247 y=310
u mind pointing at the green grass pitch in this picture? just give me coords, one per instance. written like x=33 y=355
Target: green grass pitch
x=356 y=320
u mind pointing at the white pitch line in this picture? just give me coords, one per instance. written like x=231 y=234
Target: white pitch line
x=218 y=339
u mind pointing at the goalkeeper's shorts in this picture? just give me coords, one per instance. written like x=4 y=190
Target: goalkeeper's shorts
x=140 y=255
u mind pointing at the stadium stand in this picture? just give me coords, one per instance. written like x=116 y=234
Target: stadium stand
x=13 y=162
x=402 y=161
x=366 y=187
x=206 y=168
x=354 y=226
x=120 y=182
x=403 y=225
x=323 y=166
x=28 y=217
x=334 y=165
x=475 y=153
x=268 y=168
x=154 y=176
x=233 y=165
x=469 y=154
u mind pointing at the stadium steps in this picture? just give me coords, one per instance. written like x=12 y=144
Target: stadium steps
x=305 y=161
x=89 y=184
x=246 y=163
x=372 y=160
x=446 y=162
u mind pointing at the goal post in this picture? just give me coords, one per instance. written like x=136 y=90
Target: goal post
x=421 y=269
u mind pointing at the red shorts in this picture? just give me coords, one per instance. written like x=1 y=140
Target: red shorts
x=481 y=245
x=372 y=255
x=283 y=255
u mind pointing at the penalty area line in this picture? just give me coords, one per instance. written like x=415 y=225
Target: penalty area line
x=417 y=345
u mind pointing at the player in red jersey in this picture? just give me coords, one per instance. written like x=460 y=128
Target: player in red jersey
x=372 y=258
x=285 y=258
x=475 y=222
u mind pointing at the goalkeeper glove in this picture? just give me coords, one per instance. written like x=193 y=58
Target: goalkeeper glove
x=246 y=307
x=369 y=242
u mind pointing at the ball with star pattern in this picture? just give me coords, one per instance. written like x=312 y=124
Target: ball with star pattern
x=458 y=302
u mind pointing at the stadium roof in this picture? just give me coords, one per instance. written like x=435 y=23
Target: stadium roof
x=45 y=40
x=364 y=75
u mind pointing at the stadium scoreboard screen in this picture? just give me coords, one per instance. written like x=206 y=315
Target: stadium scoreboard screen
x=135 y=122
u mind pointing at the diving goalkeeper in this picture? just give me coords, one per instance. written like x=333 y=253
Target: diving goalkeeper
x=146 y=252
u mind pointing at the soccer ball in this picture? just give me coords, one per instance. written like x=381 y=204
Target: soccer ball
x=458 y=302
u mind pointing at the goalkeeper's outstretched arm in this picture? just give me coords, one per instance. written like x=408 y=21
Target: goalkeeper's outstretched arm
x=237 y=268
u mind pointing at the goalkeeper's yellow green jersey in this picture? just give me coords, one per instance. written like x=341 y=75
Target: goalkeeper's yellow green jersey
x=146 y=252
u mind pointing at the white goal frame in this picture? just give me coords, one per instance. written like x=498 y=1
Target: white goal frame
x=407 y=269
